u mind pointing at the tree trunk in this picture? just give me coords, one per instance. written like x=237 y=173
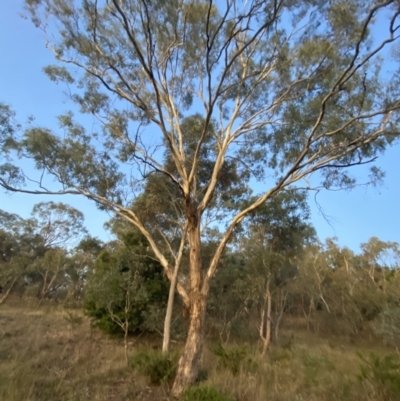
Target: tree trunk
x=189 y=362
x=262 y=319
x=126 y=323
x=168 y=314
x=279 y=318
x=267 y=338
x=5 y=296
x=171 y=295
x=126 y=331
x=308 y=317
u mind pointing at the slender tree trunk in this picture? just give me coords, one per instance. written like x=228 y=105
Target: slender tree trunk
x=262 y=319
x=126 y=331
x=279 y=318
x=126 y=323
x=267 y=337
x=168 y=314
x=309 y=313
x=302 y=306
x=42 y=288
x=189 y=362
x=171 y=295
x=5 y=296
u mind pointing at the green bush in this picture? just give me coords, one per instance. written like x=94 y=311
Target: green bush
x=234 y=359
x=203 y=393
x=316 y=361
x=124 y=274
x=387 y=326
x=279 y=354
x=159 y=367
x=315 y=365
x=383 y=373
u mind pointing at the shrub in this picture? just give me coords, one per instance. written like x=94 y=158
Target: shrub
x=383 y=373
x=316 y=362
x=159 y=367
x=279 y=354
x=203 y=393
x=314 y=365
x=234 y=359
x=387 y=326
x=121 y=277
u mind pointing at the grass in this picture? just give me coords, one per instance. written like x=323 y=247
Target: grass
x=310 y=369
x=47 y=355
x=55 y=354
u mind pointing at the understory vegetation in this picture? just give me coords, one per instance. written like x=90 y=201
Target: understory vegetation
x=55 y=353
x=289 y=318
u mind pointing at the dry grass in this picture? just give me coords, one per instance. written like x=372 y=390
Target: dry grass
x=53 y=354
x=50 y=354
x=302 y=368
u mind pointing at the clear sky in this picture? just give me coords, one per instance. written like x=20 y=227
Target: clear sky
x=353 y=216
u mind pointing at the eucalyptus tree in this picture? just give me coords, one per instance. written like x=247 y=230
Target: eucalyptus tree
x=275 y=237
x=8 y=273
x=287 y=89
x=19 y=247
x=58 y=224
x=343 y=292
x=35 y=249
x=82 y=260
x=162 y=209
x=56 y=227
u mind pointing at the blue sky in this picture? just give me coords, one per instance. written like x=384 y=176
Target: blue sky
x=353 y=216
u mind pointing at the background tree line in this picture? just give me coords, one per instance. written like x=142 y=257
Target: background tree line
x=278 y=273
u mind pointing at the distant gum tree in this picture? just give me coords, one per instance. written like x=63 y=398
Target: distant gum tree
x=284 y=89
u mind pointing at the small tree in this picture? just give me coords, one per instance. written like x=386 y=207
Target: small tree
x=285 y=90
x=82 y=261
x=51 y=269
x=123 y=288
x=277 y=232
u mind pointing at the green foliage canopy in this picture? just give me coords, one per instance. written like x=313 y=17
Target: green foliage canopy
x=126 y=272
